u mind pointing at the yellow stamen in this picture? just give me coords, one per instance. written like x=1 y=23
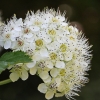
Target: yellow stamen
x=52 y=32
x=63 y=48
x=37 y=23
x=71 y=38
x=62 y=72
x=7 y=35
x=53 y=56
x=39 y=42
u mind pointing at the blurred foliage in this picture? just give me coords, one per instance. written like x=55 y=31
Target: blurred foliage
x=85 y=14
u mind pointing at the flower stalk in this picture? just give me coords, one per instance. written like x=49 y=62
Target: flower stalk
x=5 y=81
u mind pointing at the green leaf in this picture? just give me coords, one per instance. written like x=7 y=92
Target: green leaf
x=3 y=66
x=10 y=58
x=16 y=57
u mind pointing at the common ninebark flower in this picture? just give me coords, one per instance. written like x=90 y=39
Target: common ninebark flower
x=18 y=71
x=60 y=52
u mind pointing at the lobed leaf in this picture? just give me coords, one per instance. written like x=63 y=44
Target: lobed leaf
x=10 y=58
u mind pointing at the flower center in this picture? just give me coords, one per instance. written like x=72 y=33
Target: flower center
x=41 y=64
x=53 y=56
x=63 y=48
x=53 y=85
x=26 y=31
x=62 y=72
x=37 y=23
x=39 y=42
x=71 y=38
x=52 y=32
x=20 y=43
x=7 y=36
x=17 y=68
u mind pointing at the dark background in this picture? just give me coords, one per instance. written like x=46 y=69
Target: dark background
x=83 y=13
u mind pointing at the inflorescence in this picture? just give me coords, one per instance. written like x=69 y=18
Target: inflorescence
x=59 y=51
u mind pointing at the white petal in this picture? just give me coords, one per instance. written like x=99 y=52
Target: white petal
x=61 y=33
x=14 y=44
x=54 y=72
x=61 y=18
x=67 y=32
x=44 y=75
x=7 y=44
x=13 y=38
x=36 y=57
x=15 y=34
x=64 y=24
x=53 y=46
x=49 y=64
x=60 y=64
x=17 y=28
x=33 y=70
x=44 y=53
x=59 y=94
x=61 y=88
x=56 y=44
x=24 y=75
x=31 y=40
x=68 y=56
x=49 y=94
x=14 y=77
x=27 y=22
x=34 y=28
x=42 y=88
x=47 y=80
x=72 y=45
x=19 y=22
x=28 y=35
x=61 y=39
x=44 y=25
x=83 y=64
x=30 y=65
x=47 y=39
x=61 y=57
x=58 y=81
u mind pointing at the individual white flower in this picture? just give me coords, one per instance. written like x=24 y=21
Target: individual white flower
x=18 y=71
x=60 y=64
x=42 y=68
x=49 y=89
x=6 y=38
x=27 y=33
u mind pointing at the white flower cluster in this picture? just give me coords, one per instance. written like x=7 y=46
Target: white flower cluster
x=60 y=53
